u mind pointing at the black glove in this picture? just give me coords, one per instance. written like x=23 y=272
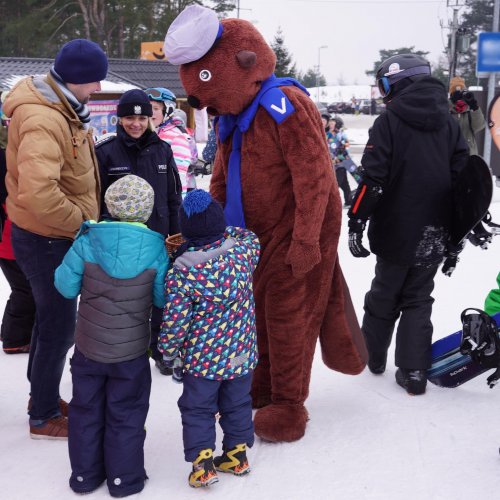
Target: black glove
x=356 y=228
x=479 y=237
x=451 y=258
x=469 y=99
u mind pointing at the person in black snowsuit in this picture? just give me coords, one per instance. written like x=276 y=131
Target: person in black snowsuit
x=414 y=152
x=137 y=150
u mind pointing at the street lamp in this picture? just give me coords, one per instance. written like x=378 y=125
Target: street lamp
x=317 y=74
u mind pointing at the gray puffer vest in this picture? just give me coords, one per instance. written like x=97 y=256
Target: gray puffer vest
x=113 y=318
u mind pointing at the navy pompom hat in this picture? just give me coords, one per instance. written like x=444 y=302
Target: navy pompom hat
x=81 y=61
x=134 y=102
x=200 y=216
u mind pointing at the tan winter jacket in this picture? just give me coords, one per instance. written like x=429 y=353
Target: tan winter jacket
x=52 y=174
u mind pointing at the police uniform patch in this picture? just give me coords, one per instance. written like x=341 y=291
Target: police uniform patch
x=104 y=139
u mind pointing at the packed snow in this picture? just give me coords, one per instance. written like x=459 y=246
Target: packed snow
x=366 y=438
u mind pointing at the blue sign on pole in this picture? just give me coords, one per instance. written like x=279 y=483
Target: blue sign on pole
x=488 y=53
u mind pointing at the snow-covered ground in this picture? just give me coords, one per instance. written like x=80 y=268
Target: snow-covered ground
x=366 y=438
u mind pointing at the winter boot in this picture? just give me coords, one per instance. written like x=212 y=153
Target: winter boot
x=414 y=381
x=204 y=473
x=377 y=362
x=22 y=349
x=162 y=367
x=233 y=461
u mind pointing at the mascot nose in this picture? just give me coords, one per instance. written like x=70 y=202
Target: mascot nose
x=193 y=101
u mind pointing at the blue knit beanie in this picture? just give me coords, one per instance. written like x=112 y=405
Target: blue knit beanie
x=134 y=102
x=81 y=61
x=200 y=216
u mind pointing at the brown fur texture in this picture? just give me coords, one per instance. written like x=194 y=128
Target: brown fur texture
x=291 y=201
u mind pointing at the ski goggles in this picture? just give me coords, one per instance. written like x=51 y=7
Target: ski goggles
x=385 y=83
x=156 y=94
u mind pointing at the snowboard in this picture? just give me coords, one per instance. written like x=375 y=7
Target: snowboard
x=451 y=368
x=472 y=195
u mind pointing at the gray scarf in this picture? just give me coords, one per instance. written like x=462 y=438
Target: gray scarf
x=80 y=109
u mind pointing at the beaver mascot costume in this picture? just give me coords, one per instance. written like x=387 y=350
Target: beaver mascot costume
x=273 y=175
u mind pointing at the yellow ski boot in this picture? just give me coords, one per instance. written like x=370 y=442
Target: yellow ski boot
x=233 y=461
x=204 y=473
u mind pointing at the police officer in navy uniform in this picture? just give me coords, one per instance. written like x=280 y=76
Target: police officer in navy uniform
x=137 y=149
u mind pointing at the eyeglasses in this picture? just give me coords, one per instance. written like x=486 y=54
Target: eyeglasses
x=156 y=94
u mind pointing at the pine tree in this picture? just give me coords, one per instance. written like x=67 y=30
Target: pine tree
x=311 y=78
x=284 y=65
x=38 y=28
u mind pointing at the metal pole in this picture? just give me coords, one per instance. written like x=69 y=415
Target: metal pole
x=317 y=73
x=317 y=76
x=491 y=88
x=453 y=45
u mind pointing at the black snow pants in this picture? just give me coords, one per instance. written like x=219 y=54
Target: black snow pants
x=19 y=314
x=405 y=293
x=343 y=182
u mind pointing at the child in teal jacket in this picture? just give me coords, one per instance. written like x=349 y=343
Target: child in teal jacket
x=119 y=269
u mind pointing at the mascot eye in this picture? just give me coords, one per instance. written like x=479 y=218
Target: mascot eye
x=205 y=75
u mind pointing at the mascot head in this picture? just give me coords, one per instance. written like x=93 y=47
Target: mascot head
x=222 y=63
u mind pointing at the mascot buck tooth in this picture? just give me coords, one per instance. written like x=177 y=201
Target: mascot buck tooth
x=273 y=175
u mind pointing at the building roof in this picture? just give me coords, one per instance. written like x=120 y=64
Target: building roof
x=149 y=74
x=123 y=74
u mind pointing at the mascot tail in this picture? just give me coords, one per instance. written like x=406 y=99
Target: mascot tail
x=343 y=347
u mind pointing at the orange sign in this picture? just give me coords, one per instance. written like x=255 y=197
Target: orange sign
x=153 y=51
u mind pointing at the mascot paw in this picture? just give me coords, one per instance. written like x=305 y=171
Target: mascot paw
x=278 y=423
x=303 y=257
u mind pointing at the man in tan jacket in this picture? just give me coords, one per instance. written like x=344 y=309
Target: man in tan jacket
x=53 y=186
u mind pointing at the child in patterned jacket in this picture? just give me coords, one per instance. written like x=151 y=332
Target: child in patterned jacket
x=209 y=328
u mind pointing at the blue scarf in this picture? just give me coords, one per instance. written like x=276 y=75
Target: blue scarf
x=237 y=125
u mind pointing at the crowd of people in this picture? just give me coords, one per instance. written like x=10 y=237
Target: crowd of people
x=90 y=222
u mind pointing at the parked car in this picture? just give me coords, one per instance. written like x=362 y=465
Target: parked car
x=322 y=107
x=340 y=108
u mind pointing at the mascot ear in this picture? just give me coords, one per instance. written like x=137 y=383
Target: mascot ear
x=246 y=58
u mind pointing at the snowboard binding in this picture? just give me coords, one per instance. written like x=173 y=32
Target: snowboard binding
x=481 y=341
x=494 y=227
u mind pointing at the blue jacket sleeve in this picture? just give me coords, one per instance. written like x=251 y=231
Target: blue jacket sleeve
x=68 y=276
x=159 y=298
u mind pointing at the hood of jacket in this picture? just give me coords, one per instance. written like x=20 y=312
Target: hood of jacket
x=41 y=90
x=422 y=105
x=123 y=249
x=213 y=269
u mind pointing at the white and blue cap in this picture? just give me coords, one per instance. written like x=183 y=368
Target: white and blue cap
x=191 y=35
